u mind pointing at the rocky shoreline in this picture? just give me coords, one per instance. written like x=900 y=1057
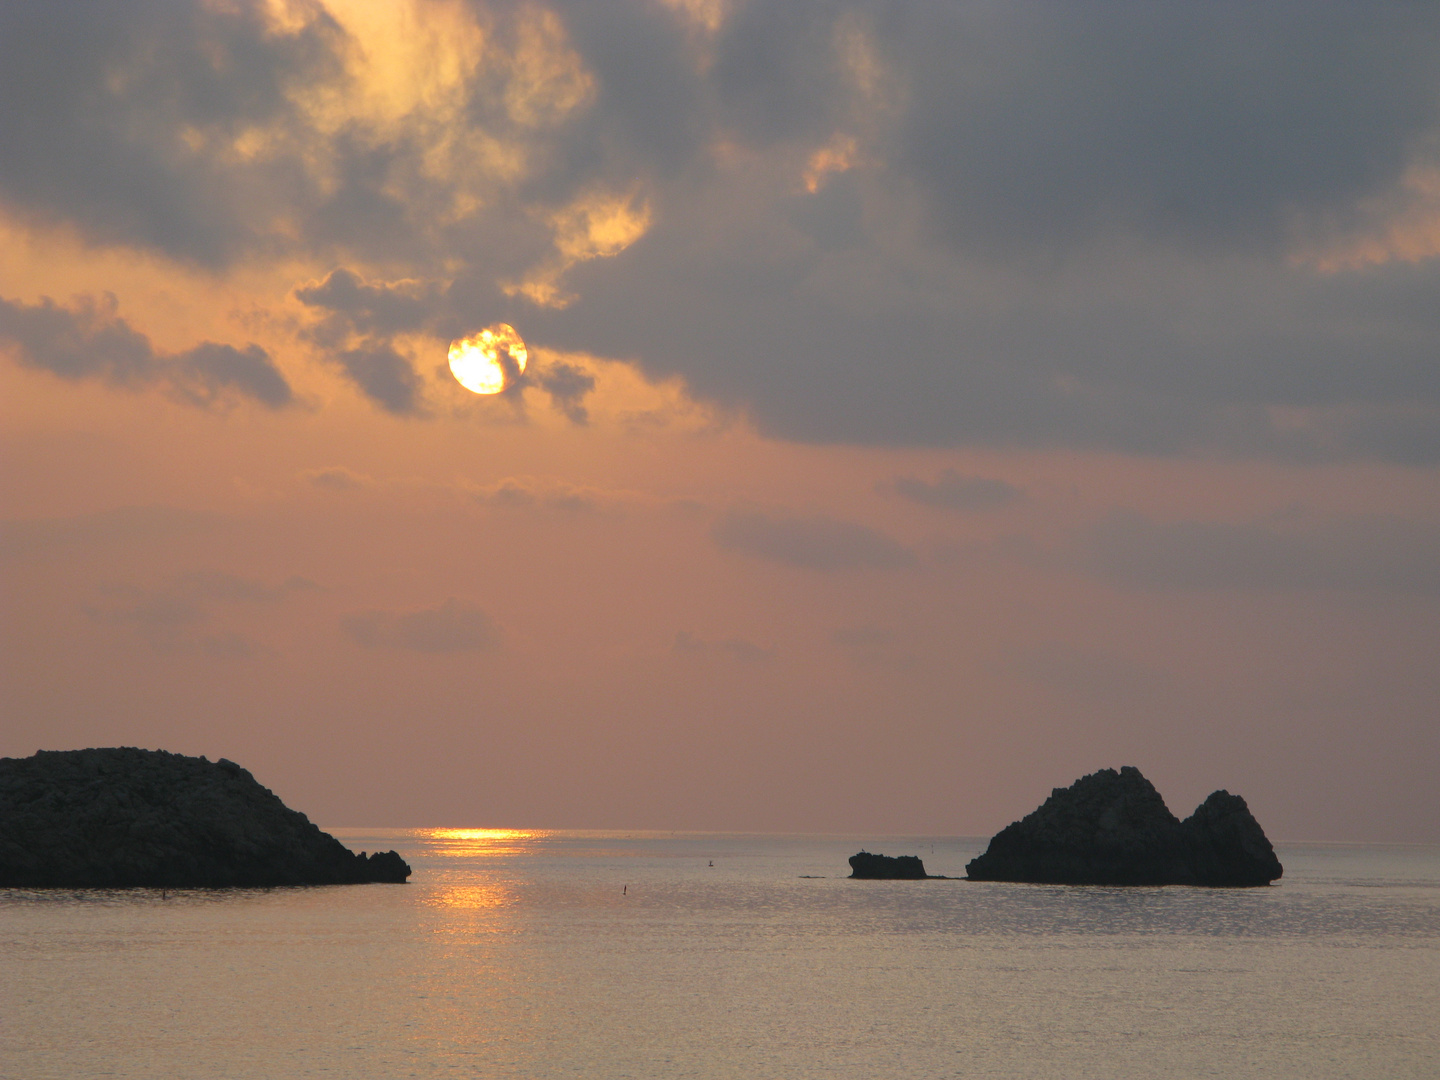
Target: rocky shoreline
x=124 y=817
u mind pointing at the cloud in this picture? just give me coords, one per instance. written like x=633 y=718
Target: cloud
x=264 y=129
x=356 y=305
x=453 y=626
x=1155 y=229
x=170 y=616
x=1167 y=122
x=203 y=374
x=188 y=597
x=228 y=646
x=524 y=493
x=157 y=613
x=337 y=478
x=386 y=377
x=218 y=585
x=735 y=648
x=359 y=322
x=567 y=384
x=1055 y=236
x=862 y=637
x=90 y=340
x=179 y=149
x=956 y=491
x=22 y=538
x=869 y=646
x=813 y=543
x=1359 y=554
x=1087 y=674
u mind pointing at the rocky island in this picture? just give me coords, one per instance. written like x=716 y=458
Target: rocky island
x=1113 y=828
x=885 y=867
x=123 y=817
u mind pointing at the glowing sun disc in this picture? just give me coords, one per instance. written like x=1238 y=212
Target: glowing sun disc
x=476 y=362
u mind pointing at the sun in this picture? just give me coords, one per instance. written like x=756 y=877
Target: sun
x=478 y=361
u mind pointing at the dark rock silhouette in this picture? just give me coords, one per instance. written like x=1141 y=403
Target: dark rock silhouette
x=120 y=817
x=865 y=865
x=1113 y=828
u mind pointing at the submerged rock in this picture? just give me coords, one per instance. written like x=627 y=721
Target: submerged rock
x=865 y=865
x=119 y=817
x=1113 y=828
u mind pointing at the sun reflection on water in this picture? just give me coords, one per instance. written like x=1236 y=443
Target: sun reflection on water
x=475 y=888
x=469 y=843
x=472 y=897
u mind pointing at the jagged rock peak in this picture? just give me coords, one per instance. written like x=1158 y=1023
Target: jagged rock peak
x=1113 y=828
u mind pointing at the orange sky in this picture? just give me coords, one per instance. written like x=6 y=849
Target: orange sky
x=695 y=585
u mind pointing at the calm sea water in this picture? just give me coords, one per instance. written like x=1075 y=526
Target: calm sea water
x=572 y=954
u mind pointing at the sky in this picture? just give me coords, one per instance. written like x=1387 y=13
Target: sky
x=927 y=403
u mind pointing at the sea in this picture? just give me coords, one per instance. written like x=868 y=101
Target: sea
x=537 y=953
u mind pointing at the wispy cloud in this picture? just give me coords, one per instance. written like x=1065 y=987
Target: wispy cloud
x=337 y=478
x=868 y=645
x=174 y=617
x=816 y=542
x=451 y=627
x=21 y=537
x=528 y=493
x=954 y=490
x=1354 y=554
x=735 y=648
x=567 y=384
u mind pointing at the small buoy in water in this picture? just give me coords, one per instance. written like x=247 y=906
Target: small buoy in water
x=712 y=862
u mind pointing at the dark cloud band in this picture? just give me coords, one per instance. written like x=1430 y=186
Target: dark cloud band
x=90 y=340
x=1118 y=225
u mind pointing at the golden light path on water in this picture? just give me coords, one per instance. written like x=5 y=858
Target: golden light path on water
x=476 y=843
x=468 y=843
x=478 y=361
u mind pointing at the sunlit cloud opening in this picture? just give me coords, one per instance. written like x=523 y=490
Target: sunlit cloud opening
x=1401 y=225
x=599 y=225
x=840 y=156
x=479 y=362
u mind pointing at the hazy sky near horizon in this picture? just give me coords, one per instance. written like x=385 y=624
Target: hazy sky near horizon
x=929 y=403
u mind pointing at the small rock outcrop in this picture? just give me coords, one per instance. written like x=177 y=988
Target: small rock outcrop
x=122 y=817
x=906 y=867
x=1113 y=828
